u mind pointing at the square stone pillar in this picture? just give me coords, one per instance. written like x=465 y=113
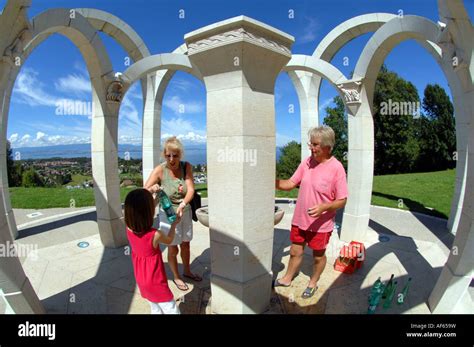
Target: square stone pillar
x=105 y=173
x=240 y=59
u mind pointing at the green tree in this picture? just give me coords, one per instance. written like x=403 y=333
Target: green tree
x=396 y=145
x=31 y=179
x=14 y=170
x=289 y=160
x=336 y=118
x=438 y=141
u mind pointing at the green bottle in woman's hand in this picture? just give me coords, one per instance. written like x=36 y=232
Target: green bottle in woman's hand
x=167 y=206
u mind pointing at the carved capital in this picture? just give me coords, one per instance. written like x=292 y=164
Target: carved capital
x=351 y=91
x=15 y=49
x=240 y=34
x=115 y=91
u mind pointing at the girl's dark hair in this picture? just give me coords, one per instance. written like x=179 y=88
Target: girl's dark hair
x=139 y=210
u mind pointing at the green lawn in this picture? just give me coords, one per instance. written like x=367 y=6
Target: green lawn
x=429 y=193
x=39 y=198
x=78 y=180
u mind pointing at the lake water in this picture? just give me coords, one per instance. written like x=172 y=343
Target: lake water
x=195 y=154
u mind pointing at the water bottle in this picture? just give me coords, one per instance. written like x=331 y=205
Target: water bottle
x=375 y=289
x=167 y=206
x=404 y=293
x=388 y=301
x=375 y=295
x=388 y=287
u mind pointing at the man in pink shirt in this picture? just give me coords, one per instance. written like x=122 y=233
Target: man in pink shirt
x=323 y=190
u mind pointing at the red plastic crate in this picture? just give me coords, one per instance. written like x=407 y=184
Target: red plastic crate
x=351 y=257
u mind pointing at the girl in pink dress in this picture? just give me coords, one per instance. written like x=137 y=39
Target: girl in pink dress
x=147 y=261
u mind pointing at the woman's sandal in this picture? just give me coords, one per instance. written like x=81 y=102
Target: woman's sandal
x=309 y=292
x=184 y=287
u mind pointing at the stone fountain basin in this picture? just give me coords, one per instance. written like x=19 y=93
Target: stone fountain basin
x=203 y=215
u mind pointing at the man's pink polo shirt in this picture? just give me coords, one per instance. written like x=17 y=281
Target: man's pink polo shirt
x=319 y=183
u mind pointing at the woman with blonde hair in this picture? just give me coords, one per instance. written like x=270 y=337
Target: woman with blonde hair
x=176 y=179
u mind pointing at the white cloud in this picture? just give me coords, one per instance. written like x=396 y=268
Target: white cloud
x=324 y=104
x=183 y=130
x=74 y=83
x=189 y=137
x=130 y=140
x=181 y=84
x=129 y=112
x=80 y=66
x=135 y=91
x=40 y=135
x=43 y=139
x=178 y=106
x=13 y=138
x=30 y=90
x=309 y=34
x=176 y=126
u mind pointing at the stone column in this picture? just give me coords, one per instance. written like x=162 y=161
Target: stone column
x=452 y=286
x=360 y=161
x=104 y=148
x=6 y=85
x=16 y=287
x=307 y=89
x=240 y=59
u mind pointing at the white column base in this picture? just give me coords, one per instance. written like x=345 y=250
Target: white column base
x=354 y=228
x=231 y=297
x=448 y=291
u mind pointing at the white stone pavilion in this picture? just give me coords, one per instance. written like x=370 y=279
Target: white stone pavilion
x=239 y=60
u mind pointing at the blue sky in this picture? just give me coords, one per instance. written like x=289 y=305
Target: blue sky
x=56 y=71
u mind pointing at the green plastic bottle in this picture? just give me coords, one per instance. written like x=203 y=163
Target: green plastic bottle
x=404 y=293
x=388 y=287
x=167 y=206
x=388 y=301
x=375 y=288
x=375 y=296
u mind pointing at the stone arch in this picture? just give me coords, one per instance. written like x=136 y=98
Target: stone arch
x=119 y=30
x=303 y=70
x=165 y=61
x=152 y=116
x=122 y=33
x=17 y=287
x=153 y=86
x=361 y=148
x=308 y=85
x=308 y=88
x=136 y=48
x=162 y=67
x=317 y=66
x=41 y=27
